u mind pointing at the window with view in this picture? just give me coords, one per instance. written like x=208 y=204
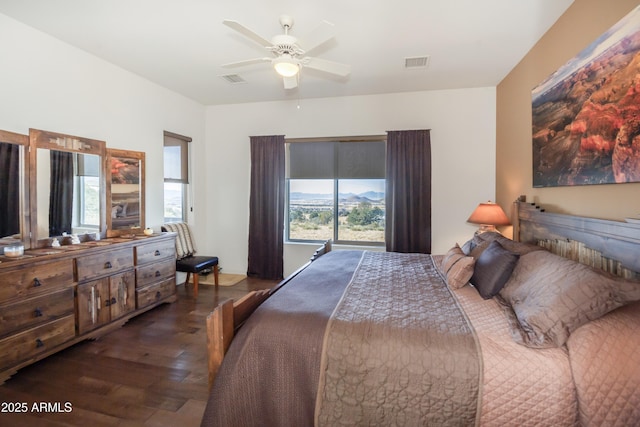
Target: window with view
x=86 y=212
x=176 y=176
x=336 y=190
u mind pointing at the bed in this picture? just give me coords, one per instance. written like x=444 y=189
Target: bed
x=376 y=338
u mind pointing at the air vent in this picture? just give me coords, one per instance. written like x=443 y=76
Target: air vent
x=233 y=79
x=416 y=62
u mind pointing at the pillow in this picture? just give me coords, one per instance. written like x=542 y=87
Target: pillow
x=468 y=247
x=548 y=297
x=184 y=245
x=479 y=248
x=482 y=240
x=133 y=209
x=456 y=267
x=493 y=268
x=122 y=213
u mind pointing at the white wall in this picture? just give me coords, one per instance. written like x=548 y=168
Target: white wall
x=47 y=84
x=462 y=142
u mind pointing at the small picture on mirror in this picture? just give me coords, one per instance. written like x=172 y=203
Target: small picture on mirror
x=125 y=170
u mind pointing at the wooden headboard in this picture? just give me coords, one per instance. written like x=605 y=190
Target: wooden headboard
x=610 y=245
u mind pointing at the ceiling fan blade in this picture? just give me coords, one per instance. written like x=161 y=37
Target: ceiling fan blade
x=247 y=32
x=246 y=62
x=321 y=34
x=290 y=82
x=342 y=70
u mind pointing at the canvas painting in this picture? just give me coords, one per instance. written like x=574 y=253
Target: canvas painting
x=586 y=115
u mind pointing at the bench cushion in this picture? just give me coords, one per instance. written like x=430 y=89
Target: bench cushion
x=195 y=264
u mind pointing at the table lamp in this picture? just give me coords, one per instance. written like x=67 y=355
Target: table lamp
x=488 y=215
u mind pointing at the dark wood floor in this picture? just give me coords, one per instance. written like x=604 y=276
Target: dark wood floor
x=150 y=372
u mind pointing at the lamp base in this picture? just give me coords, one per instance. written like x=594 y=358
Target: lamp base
x=485 y=228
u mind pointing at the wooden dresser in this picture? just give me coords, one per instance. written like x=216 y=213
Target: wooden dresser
x=52 y=298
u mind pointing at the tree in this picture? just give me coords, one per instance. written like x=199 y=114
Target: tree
x=364 y=214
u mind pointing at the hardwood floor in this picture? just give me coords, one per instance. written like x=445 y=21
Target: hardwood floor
x=150 y=372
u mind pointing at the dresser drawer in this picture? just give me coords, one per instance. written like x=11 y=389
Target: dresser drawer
x=36 y=279
x=34 y=311
x=35 y=341
x=153 y=273
x=154 y=293
x=105 y=263
x=155 y=251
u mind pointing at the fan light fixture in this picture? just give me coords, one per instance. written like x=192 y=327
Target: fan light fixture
x=290 y=57
x=488 y=215
x=286 y=66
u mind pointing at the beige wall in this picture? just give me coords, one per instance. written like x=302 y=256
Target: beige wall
x=580 y=25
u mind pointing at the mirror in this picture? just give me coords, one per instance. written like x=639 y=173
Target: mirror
x=14 y=189
x=67 y=186
x=125 y=192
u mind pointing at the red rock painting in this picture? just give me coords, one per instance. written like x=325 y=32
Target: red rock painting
x=586 y=116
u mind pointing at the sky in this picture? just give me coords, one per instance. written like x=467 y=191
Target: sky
x=627 y=26
x=325 y=186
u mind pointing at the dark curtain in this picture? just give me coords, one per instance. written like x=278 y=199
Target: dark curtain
x=9 y=189
x=266 y=207
x=408 y=195
x=61 y=193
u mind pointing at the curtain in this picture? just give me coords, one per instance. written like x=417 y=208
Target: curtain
x=408 y=195
x=61 y=193
x=266 y=207
x=9 y=189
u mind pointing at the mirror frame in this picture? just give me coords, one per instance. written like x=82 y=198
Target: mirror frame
x=25 y=220
x=62 y=142
x=126 y=154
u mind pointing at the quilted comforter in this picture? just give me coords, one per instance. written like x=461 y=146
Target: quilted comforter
x=271 y=374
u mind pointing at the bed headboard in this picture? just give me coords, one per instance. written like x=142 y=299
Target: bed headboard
x=613 y=246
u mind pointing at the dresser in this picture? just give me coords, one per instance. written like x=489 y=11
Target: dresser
x=52 y=298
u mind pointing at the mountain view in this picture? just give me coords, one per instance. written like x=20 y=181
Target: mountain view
x=360 y=215
x=370 y=196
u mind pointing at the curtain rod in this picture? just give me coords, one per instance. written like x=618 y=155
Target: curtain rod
x=357 y=138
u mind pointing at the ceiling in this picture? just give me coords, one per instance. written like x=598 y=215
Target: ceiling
x=181 y=45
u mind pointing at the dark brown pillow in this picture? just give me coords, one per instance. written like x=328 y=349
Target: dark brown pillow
x=493 y=269
x=482 y=240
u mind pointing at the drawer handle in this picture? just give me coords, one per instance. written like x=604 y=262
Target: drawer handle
x=107 y=303
x=108 y=264
x=39 y=343
x=158 y=274
x=158 y=295
x=113 y=300
x=36 y=282
x=37 y=312
x=156 y=253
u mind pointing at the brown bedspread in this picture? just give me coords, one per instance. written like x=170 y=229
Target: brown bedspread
x=397 y=350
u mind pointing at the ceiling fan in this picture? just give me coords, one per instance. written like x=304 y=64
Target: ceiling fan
x=290 y=53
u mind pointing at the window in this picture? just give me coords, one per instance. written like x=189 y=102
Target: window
x=176 y=176
x=86 y=193
x=336 y=190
